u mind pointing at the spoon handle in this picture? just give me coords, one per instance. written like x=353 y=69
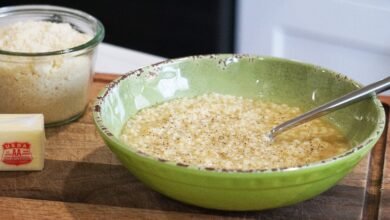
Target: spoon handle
x=331 y=106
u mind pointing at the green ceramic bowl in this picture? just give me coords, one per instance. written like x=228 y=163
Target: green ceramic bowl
x=279 y=80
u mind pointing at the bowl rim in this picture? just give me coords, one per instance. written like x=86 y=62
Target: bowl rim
x=107 y=135
x=92 y=43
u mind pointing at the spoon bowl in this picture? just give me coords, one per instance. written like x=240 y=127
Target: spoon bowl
x=267 y=78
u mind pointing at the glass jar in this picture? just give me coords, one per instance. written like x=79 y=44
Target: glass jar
x=54 y=83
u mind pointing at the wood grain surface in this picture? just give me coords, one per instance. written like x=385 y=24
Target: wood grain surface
x=82 y=179
x=384 y=183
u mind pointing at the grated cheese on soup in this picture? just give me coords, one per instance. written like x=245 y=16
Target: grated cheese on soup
x=228 y=132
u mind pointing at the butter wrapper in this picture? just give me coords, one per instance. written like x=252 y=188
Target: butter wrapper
x=22 y=142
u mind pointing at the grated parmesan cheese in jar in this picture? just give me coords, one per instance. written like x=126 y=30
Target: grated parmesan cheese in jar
x=39 y=37
x=55 y=85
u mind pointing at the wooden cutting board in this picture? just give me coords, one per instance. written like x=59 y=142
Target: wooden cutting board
x=82 y=179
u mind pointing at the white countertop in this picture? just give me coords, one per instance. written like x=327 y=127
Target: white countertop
x=115 y=59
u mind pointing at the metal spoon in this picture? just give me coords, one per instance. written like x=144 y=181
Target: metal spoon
x=331 y=106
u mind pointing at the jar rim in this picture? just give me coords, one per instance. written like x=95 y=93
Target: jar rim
x=97 y=38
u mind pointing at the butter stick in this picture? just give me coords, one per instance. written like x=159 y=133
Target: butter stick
x=22 y=139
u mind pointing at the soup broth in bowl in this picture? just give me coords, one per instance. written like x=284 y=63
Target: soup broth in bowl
x=229 y=133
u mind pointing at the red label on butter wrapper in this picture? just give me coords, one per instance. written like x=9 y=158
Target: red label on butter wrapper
x=16 y=153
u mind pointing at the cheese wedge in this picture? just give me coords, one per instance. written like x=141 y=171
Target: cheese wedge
x=22 y=140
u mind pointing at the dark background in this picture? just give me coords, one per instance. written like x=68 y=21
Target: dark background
x=169 y=28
